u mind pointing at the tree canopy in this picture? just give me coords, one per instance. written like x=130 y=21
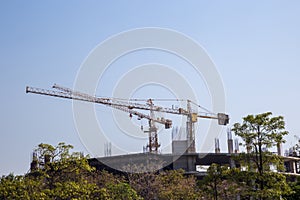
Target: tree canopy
x=58 y=173
x=260 y=133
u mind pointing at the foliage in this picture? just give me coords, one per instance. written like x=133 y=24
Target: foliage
x=260 y=133
x=174 y=185
x=164 y=185
x=122 y=191
x=145 y=184
x=59 y=152
x=143 y=177
x=295 y=187
x=219 y=183
x=63 y=175
x=20 y=187
x=67 y=175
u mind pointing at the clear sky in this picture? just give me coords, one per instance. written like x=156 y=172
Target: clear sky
x=255 y=46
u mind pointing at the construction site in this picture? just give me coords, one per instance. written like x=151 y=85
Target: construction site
x=183 y=154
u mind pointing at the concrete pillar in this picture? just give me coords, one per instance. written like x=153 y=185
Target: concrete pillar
x=229 y=141
x=230 y=145
x=279 y=151
x=217 y=145
x=292 y=165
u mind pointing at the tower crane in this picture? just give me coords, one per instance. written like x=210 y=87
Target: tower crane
x=130 y=107
x=153 y=144
x=63 y=92
x=192 y=117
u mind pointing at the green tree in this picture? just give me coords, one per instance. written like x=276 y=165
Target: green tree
x=146 y=184
x=57 y=165
x=211 y=182
x=142 y=177
x=260 y=133
x=60 y=174
x=122 y=191
x=21 y=187
x=174 y=185
x=219 y=183
x=295 y=187
x=171 y=184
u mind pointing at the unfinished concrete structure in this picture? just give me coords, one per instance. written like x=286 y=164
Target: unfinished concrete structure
x=190 y=162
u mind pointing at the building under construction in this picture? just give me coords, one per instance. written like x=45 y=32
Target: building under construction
x=183 y=156
x=191 y=163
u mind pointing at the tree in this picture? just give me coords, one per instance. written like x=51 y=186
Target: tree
x=57 y=164
x=295 y=194
x=219 y=183
x=174 y=185
x=142 y=177
x=60 y=174
x=122 y=191
x=21 y=187
x=260 y=133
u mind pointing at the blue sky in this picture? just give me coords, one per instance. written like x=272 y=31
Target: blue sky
x=254 y=45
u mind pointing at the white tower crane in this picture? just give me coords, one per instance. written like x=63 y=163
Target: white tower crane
x=111 y=102
x=131 y=106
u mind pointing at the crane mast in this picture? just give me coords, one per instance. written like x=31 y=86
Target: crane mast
x=153 y=144
x=190 y=128
x=130 y=106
